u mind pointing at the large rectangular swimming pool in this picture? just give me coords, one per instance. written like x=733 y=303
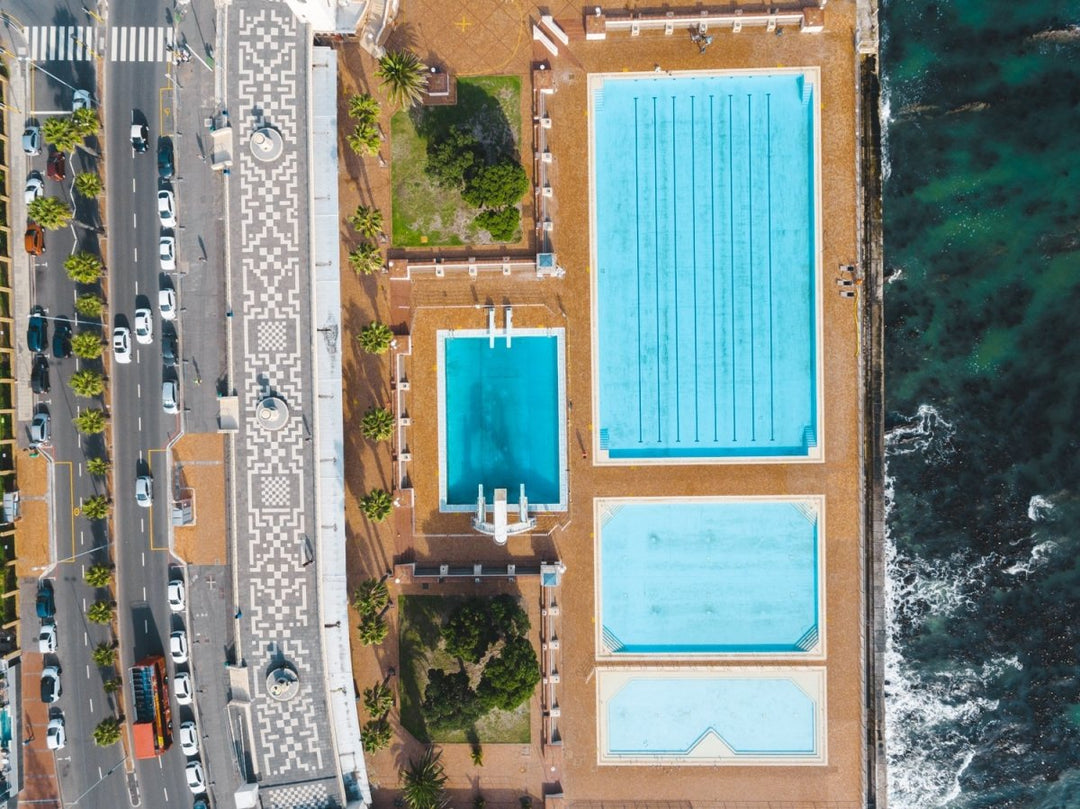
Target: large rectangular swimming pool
x=705 y=266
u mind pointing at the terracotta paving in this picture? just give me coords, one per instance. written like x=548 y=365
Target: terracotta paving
x=430 y=304
x=199 y=465
x=32 y=530
x=40 y=787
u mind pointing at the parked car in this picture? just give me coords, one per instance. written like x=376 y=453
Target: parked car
x=170 y=396
x=140 y=138
x=167 y=253
x=46 y=641
x=56 y=168
x=166 y=300
x=181 y=686
x=196 y=781
x=165 y=158
x=166 y=208
x=81 y=101
x=61 y=341
x=39 y=374
x=46 y=604
x=168 y=348
x=35 y=239
x=178 y=648
x=177 y=596
x=35 y=186
x=144 y=326
x=50 y=684
x=39 y=430
x=144 y=491
x=55 y=735
x=31 y=140
x=37 y=332
x=121 y=344
x=189 y=739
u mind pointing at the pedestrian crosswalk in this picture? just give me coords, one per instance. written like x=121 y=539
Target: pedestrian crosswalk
x=79 y=43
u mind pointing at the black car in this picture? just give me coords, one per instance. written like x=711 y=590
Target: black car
x=140 y=137
x=168 y=348
x=37 y=333
x=39 y=376
x=61 y=341
x=165 y=158
x=46 y=604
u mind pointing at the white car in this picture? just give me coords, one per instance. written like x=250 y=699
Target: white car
x=46 y=639
x=55 y=735
x=189 y=739
x=167 y=253
x=170 y=396
x=144 y=326
x=195 y=780
x=166 y=208
x=50 y=684
x=31 y=140
x=39 y=430
x=181 y=686
x=121 y=344
x=81 y=101
x=166 y=303
x=178 y=650
x=144 y=491
x=177 y=597
x=35 y=187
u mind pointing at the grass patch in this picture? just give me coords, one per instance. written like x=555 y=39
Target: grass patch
x=423 y=213
x=421 y=648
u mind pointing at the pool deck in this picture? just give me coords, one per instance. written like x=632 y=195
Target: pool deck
x=422 y=306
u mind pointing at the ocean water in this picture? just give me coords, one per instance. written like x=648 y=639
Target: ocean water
x=982 y=242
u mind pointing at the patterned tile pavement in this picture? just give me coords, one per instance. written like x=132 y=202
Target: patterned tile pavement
x=292 y=747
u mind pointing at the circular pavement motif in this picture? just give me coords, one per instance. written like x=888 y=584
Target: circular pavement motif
x=272 y=413
x=266 y=144
x=282 y=684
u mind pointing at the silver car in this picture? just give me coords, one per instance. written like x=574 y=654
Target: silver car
x=31 y=140
x=144 y=491
x=167 y=253
x=170 y=393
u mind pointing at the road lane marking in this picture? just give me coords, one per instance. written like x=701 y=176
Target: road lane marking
x=87 y=671
x=138 y=387
x=132 y=185
x=144 y=594
x=140 y=424
x=85 y=639
x=134 y=217
x=100 y=774
x=142 y=524
x=84 y=604
x=144 y=558
x=163 y=788
x=91 y=711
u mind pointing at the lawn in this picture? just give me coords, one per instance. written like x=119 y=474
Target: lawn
x=424 y=214
x=422 y=618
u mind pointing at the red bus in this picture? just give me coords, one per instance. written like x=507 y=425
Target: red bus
x=152 y=710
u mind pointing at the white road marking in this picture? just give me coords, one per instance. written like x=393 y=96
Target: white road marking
x=138 y=387
x=140 y=424
x=146 y=627
x=144 y=594
x=84 y=604
x=136 y=252
x=144 y=559
x=132 y=185
x=142 y=524
x=91 y=711
x=165 y=790
x=100 y=774
x=85 y=639
x=79 y=467
x=87 y=671
x=134 y=218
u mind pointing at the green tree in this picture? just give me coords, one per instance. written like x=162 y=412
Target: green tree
x=403 y=77
x=371 y=597
x=87 y=345
x=366 y=259
x=104 y=654
x=368 y=222
x=423 y=782
x=88 y=184
x=376 y=735
x=100 y=612
x=61 y=133
x=98 y=576
x=499 y=186
x=89 y=305
x=510 y=677
x=377 y=424
x=373 y=630
x=501 y=223
x=378 y=700
x=375 y=338
x=88 y=383
x=453 y=157
x=51 y=213
x=90 y=422
x=469 y=632
x=450 y=702
x=83 y=268
x=85 y=122
x=376 y=505
x=107 y=732
x=508 y=619
x=112 y=685
x=363 y=108
x=99 y=468
x=364 y=140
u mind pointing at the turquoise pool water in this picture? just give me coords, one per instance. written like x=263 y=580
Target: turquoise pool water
x=501 y=418
x=5 y=726
x=704 y=262
x=709 y=577
x=671 y=716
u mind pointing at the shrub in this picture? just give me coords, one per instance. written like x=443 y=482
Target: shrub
x=376 y=505
x=501 y=223
x=375 y=338
x=510 y=677
x=377 y=424
x=499 y=186
x=453 y=158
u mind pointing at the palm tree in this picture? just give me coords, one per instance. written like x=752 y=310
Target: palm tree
x=85 y=122
x=83 y=268
x=377 y=424
x=363 y=108
x=375 y=338
x=376 y=735
x=89 y=305
x=96 y=507
x=373 y=630
x=87 y=383
x=61 y=133
x=376 y=505
x=88 y=184
x=112 y=685
x=403 y=77
x=98 y=576
x=90 y=422
x=364 y=140
x=368 y=222
x=107 y=732
x=99 y=468
x=100 y=612
x=366 y=259
x=87 y=345
x=49 y=212
x=104 y=654
x=371 y=597
x=422 y=782
x=378 y=700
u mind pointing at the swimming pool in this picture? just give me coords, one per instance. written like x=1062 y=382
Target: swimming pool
x=501 y=423
x=710 y=576
x=715 y=717
x=705 y=266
